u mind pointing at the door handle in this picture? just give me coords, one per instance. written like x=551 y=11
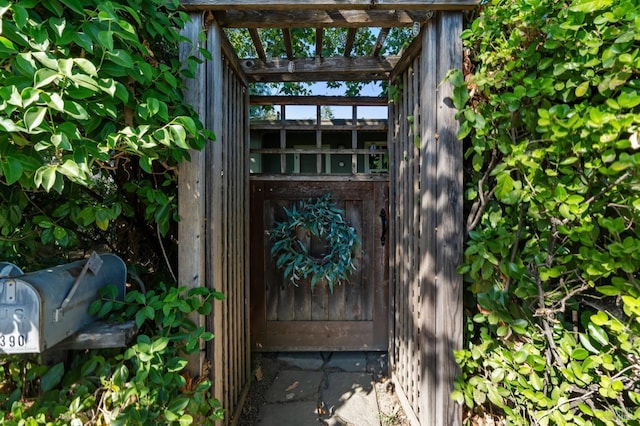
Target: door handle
x=383 y=218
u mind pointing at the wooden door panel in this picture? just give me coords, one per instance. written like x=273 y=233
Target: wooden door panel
x=355 y=315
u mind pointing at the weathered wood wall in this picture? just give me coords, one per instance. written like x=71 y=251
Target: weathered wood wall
x=213 y=231
x=426 y=232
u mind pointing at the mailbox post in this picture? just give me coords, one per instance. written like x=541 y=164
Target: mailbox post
x=40 y=309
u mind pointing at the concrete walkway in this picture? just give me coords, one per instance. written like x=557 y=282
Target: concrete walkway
x=326 y=388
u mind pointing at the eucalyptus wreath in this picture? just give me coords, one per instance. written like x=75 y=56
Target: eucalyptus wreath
x=323 y=220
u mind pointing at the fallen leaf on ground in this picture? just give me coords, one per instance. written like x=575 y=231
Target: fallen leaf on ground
x=292 y=386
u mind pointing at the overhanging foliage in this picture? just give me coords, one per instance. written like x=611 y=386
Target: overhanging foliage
x=91 y=117
x=92 y=128
x=550 y=109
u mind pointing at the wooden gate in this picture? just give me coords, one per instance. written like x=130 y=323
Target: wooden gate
x=355 y=315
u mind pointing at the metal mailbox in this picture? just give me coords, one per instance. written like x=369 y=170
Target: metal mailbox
x=40 y=309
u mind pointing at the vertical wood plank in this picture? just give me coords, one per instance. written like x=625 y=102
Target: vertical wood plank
x=272 y=281
x=380 y=262
x=404 y=203
x=414 y=231
x=358 y=303
x=225 y=362
x=285 y=296
x=215 y=187
x=320 y=305
x=246 y=234
x=450 y=239
x=337 y=299
x=258 y=239
x=191 y=196
x=428 y=247
x=392 y=320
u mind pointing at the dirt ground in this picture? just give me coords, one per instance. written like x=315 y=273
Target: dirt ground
x=265 y=369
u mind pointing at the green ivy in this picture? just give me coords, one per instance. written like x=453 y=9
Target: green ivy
x=93 y=125
x=145 y=383
x=91 y=111
x=550 y=113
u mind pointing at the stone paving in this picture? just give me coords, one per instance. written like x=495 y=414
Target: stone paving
x=326 y=388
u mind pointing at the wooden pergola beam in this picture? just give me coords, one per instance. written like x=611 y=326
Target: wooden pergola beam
x=329 y=4
x=288 y=45
x=348 y=45
x=382 y=36
x=319 y=37
x=319 y=18
x=319 y=69
x=257 y=43
x=319 y=100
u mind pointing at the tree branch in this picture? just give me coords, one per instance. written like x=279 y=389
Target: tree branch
x=545 y=324
x=479 y=206
x=516 y=243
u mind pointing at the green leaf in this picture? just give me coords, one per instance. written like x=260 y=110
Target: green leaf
x=9 y=126
x=598 y=334
x=145 y=163
x=83 y=80
x=33 y=117
x=582 y=89
x=178 y=404
x=629 y=99
x=536 y=381
x=86 y=66
x=6 y=45
x=609 y=290
x=121 y=58
x=179 y=135
x=52 y=377
x=590 y=6
x=159 y=344
x=46 y=177
x=106 y=39
x=12 y=169
x=70 y=168
x=44 y=77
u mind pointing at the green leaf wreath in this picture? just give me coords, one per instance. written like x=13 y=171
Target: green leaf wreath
x=323 y=220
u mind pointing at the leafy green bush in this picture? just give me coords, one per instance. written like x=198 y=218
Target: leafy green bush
x=140 y=385
x=92 y=121
x=92 y=127
x=550 y=110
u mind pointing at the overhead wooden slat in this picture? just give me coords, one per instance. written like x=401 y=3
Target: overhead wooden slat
x=348 y=45
x=329 y=4
x=327 y=69
x=319 y=18
x=257 y=43
x=382 y=36
x=319 y=100
x=288 y=46
x=319 y=36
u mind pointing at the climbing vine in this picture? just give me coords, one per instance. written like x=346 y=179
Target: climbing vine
x=550 y=114
x=92 y=127
x=92 y=121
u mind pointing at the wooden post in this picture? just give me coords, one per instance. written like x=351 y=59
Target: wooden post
x=428 y=223
x=191 y=194
x=215 y=192
x=449 y=320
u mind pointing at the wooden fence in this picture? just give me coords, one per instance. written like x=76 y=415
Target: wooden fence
x=426 y=212
x=426 y=217
x=214 y=190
